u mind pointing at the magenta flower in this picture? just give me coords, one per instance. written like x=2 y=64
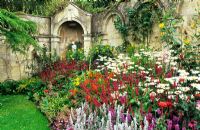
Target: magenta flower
x=177 y=127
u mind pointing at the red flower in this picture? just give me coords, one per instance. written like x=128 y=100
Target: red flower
x=164 y=104
x=168 y=75
x=96 y=102
x=88 y=98
x=94 y=87
x=158 y=70
x=152 y=96
x=181 y=80
x=46 y=91
x=137 y=91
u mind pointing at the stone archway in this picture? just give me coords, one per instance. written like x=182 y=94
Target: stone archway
x=112 y=37
x=70 y=31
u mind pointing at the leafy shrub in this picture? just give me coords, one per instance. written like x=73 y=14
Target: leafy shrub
x=31 y=86
x=77 y=55
x=100 y=50
x=9 y=87
x=51 y=105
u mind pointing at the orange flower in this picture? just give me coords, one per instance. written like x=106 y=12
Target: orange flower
x=73 y=92
x=94 y=87
x=90 y=74
x=111 y=75
x=88 y=98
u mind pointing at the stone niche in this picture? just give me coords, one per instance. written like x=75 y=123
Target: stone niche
x=69 y=32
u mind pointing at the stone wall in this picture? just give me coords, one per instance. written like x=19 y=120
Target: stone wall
x=14 y=66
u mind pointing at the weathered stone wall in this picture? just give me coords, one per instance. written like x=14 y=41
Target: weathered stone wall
x=14 y=66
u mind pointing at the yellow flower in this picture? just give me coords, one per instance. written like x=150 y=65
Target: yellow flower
x=161 y=25
x=193 y=25
x=162 y=33
x=186 y=41
x=77 y=81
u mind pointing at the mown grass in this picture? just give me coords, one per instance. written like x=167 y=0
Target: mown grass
x=18 y=113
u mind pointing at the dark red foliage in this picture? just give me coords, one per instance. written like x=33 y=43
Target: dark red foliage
x=62 y=68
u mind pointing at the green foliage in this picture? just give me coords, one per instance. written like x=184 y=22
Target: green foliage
x=18 y=32
x=49 y=7
x=31 y=86
x=9 y=87
x=94 y=6
x=141 y=20
x=100 y=50
x=42 y=59
x=77 y=55
x=51 y=105
x=36 y=7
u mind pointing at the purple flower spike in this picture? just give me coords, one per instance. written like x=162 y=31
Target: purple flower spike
x=183 y=128
x=122 y=117
x=177 y=127
x=175 y=119
x=129 y=117
x=169 y=124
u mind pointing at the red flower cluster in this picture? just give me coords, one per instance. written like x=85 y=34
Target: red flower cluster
x=62 y=68
x=97 y=88
x=164 y=104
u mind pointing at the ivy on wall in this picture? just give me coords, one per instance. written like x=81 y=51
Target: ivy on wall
x=140 y=21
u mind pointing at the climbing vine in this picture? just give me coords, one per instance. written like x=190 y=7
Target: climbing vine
x=122 y=29
x=140 y=21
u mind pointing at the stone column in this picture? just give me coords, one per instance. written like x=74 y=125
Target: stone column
x=55 y=45
x=87 y=43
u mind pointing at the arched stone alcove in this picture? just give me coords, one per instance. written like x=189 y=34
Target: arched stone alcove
x=70 y=31
x=111 y=36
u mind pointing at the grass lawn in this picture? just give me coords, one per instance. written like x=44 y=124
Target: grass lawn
x=18 y=113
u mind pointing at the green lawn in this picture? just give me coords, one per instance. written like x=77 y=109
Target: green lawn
x=18 y=113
